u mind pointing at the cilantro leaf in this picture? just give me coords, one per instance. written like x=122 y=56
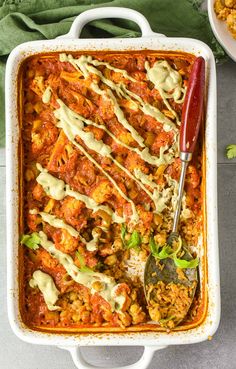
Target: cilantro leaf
x=86 y=269
x=134 y=241
x=83 y=267
x=32 y=241
x=80 y=257
x=184 y=264
x=163 y=321
x=231 y=151
x=153 y=246
x=165 y=252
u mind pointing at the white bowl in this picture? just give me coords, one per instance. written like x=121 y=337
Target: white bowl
x=221 y=31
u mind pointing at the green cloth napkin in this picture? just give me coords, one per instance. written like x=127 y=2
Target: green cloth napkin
x=26 y=20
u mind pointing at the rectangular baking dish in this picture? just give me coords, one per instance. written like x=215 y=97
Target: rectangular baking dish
x=70 y=42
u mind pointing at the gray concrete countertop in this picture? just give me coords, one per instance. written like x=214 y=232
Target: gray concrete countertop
x=220 y=353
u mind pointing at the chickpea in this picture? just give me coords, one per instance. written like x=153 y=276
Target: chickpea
x=77 y=304
x=133 y=295
x=98 y=286
x=125 y=318
x=38 y=107
x=111 y=259
x=108 y=272
x=36 y=124
x=96 y=232
x=30 y=73
x=29 y=108
x=157 y=219
x=134 y=309
x=137 y=314
x=76 y=318
x=127 y=237
x=126 y=255
x=143 y=255
x=29 y=175
x=117 y=245
x=73 y=296
x=85 y=316
x=154 y=313
x=139 y=318
x=145 y=239
x=49 y=205
x=160 y=238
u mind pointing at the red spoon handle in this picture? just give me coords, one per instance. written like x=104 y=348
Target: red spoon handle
x=193 y=107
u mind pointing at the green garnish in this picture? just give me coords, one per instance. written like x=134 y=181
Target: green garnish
x=32 y=241
x=134 y=241
x=123 y=232
x=167 y=252
x=231 y=151
x=183 y=264
x=83 y=267
x=162 y=321
x=153 y=246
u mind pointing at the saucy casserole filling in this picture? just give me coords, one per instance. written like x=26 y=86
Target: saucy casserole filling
x=101 y=167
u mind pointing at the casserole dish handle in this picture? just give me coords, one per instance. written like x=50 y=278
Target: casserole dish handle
x=142 y=363
x=109 y=12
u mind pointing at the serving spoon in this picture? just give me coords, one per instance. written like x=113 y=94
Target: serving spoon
x=190 y=123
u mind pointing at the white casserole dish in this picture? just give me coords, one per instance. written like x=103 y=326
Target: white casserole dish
x=151 y=340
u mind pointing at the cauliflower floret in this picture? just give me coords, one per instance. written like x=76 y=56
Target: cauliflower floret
x=102 y=191
x=231 y=23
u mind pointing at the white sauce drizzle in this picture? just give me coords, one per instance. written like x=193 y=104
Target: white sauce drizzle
x=144 y=178
x=48 y=288
x=168 y=82
x=121 y=118
x=47 y=95
x=82 y=64
x=59 y=223
x=173 y=187
x=69 y=126
x=72 y=122
x=92 y=245
x=57 y=189
x=53 y=187
x=85 y=278
x=164 y=158
x=162 y=196
x=118 y=70
x=75 y=128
